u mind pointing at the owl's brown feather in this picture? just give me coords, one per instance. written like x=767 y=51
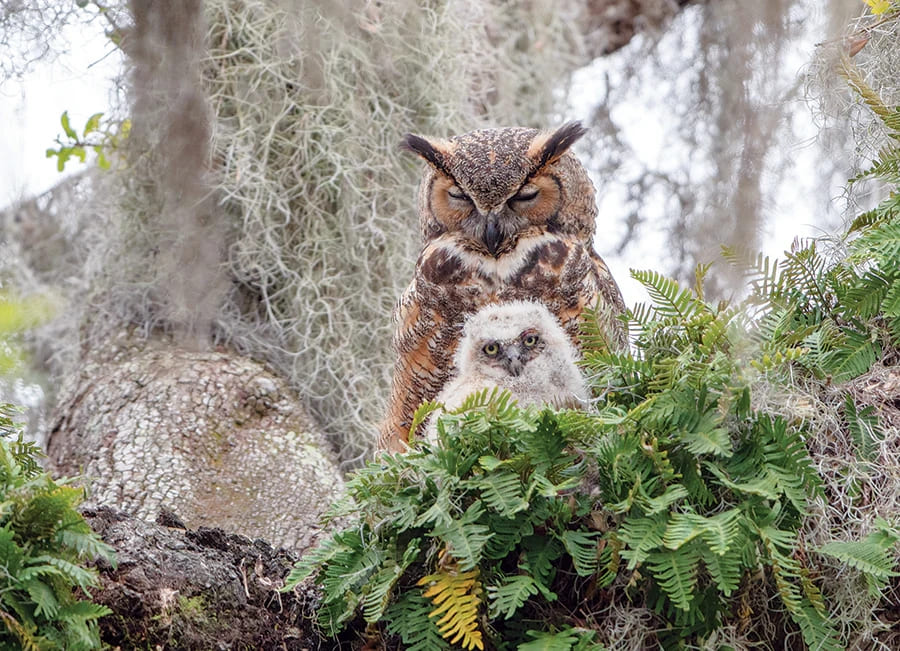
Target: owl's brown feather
x=542 y=206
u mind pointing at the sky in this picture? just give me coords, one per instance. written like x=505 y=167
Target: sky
x=79 y=82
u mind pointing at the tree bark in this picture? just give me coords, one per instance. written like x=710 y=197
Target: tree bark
x=216 y=438
x=205 y=589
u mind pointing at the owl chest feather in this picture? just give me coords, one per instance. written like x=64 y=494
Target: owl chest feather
x=545 y=267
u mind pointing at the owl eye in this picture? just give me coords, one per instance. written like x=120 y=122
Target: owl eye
x=455 y=193
x=491 y=349
x=527 y=192
x=530 y=341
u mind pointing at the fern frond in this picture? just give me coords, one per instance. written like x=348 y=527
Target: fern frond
x=881 y=242
x=725 y=569
x=408 y=618
x=82 y=577
x=705 y=435
x=582 y=547
x=464 y=538
x=718 y=532
x=787 y=459
x=510 y=595
x=676 y=573
x=503 y=492
x=641 y=535
x=570 y=639
x=457 y=597
x=661 y=503
x=539 y=554
x=313 y=560
x=863 y=427
x=78 y=536
x=867 y=556
x=670 y=300
x=44 y=598
x=764 y=276
x=422 y=413
x=378 y=590
x=817 y=630
x=873 y=556
x=888 y=209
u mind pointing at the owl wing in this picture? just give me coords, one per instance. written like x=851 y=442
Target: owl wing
x=428 y=324
x=421 y=367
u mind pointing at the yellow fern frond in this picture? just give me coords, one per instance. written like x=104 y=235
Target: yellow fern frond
x=457 y=596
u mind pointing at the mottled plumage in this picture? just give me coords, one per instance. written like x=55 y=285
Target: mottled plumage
x=518 y=346
x=506 y=214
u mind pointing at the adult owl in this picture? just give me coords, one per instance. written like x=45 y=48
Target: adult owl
x=505 y=214
x=518 y=346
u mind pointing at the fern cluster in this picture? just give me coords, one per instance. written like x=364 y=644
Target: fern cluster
x=44 y=542
x=681 y=492
x=675 y=492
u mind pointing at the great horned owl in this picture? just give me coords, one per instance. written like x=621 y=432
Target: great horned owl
x=519 y=346
x=506 y=214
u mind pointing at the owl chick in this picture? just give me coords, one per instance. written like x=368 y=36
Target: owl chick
x=519 y=346
x=506 y=214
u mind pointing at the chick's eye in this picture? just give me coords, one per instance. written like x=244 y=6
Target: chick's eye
x=491 y=349
x=526 y=193
x=530 y=341
x=456 y=193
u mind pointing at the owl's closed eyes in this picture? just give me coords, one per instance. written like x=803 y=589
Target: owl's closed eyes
x=506 y=214
x=518 y=346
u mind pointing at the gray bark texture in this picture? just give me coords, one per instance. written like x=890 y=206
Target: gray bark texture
x=216 y=438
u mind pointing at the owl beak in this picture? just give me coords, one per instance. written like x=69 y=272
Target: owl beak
x=514 y=363
x=493 y=236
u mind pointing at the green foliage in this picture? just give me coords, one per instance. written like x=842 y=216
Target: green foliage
x=43 y=542
x=872 y=556
x=101 y=136
x=16 y=316
x=678 y=491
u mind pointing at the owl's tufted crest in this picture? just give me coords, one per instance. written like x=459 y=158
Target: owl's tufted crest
x=491 y=165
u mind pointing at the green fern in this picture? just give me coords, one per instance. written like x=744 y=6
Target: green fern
x=675 y=492
x=44 y=544
x=570 y=639
x=873 y=556
x=408 y=619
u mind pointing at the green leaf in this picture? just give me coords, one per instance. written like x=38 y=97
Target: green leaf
x=676 y=573
x=569 y=639
x=408 y=618
x=64 y=120
x=641 y=535
x=509 y=596
x=92 y=124
x=725 y=569
x=582 y=547
x=503 y=492
x=43 y=597
x=78 y=575
x=464 y=538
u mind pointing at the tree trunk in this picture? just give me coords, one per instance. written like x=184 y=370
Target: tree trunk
x=214 y=437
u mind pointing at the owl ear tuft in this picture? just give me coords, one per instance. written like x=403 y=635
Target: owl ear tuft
x=557 y=143
x=424 y=148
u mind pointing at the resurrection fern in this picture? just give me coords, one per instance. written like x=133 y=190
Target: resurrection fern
x=674 y=487
x=873 y=556
x=678 y=493
x=456 y=595
x=43 y=544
